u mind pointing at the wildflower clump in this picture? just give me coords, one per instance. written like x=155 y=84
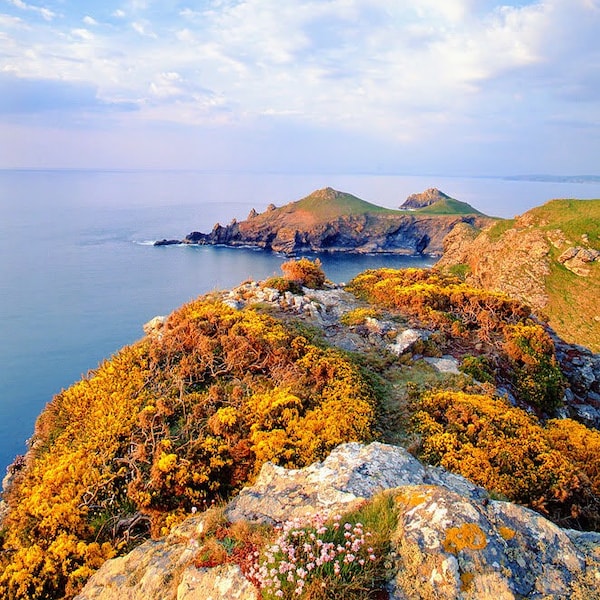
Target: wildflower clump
x=312 y=560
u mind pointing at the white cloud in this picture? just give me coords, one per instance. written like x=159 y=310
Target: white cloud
x=167 y=85
x=9 y=22
x=90 y=21
x=83 y=34
x=44 y=12
x=143 y=28
x=120 y=14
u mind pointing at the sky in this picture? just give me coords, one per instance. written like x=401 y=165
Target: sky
x=452 y=87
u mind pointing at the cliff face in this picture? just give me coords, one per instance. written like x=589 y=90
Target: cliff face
x=451 y=540
x=549 y=258
x=331 y=221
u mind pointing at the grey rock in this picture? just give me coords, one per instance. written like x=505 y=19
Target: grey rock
x=405 y=340
x=351 y=474
x=225 y=581
x=153 y=328
x=445 y=364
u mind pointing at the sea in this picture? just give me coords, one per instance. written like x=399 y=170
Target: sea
x=79 y=275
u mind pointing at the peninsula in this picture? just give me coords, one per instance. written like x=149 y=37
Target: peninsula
x=332 y=221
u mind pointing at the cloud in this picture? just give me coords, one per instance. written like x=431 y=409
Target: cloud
x=45 y=13
x=400 y=71
x=143 y=28
x=84 y=34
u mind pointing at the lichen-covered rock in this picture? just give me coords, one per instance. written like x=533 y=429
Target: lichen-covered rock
x=406 y=339
x=450 y=547
x=149 y=572
x=224 y=581
x=452 y=542
x=444 y=364
x=351 y=474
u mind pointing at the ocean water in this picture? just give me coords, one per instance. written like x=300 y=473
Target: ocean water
x=79 y=276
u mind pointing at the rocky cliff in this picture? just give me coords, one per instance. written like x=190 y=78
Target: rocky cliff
x=331 y=221
x=450 y=540
x=549 y=257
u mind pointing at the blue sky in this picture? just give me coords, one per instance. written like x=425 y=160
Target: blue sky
x=456 y=87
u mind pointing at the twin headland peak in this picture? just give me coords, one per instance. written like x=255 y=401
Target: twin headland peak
x=328 y=220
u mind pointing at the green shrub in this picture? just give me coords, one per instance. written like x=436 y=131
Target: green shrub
x=536 y=373
x=478 y=367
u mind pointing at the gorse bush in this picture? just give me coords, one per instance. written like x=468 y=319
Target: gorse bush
x=508 y=451
x=304 y=272
x=358 y=316
x=535 y=370
x=440 y=300
x=172 y=422
x=282 y=284
x=511 y=347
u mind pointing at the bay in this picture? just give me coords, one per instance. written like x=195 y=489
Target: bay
x=79 y=276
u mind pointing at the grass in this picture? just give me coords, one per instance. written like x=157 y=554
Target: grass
x=574 y=303
x=328 y=204
x=573 y=217
x=449 y=206
x=495 y=232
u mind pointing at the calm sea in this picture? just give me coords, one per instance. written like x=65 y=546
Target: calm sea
x=79 y=277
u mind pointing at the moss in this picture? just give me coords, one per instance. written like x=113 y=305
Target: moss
x=460 y=270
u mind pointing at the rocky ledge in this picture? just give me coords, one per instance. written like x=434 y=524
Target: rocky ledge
x=452 y=541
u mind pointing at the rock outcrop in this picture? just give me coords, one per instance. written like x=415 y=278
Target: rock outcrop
x=452 y=540
x=426 y=198
x=331 y=221
x=548 y=257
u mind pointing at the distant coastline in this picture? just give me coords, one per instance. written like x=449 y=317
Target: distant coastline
x=555 y=178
